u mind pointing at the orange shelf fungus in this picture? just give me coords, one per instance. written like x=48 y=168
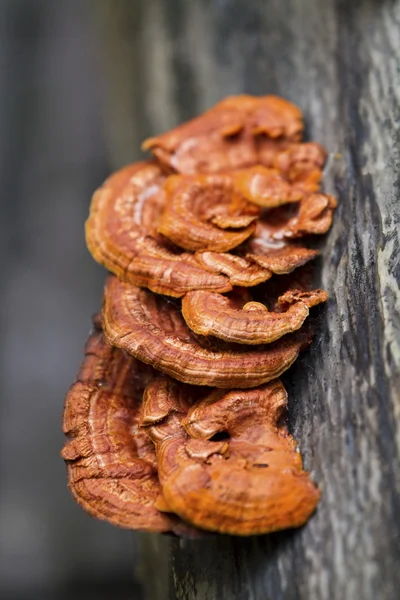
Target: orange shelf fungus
x=207 y=313
x=302 y=164
x=206 y=213
x=314 y=216
x=153 y=330
x=261 y=261
x=229 y=202
x=280 y=260
x=121 y=234
x=241 y=272
x=226 y=462
x=311 y=216
x=112 y=467
x=240 y=131
x=217 y=212
x=266 y=187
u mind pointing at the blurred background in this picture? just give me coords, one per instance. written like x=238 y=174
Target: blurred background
x=53 y=153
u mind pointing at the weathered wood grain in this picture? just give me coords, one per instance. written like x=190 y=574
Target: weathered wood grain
x=340 y=61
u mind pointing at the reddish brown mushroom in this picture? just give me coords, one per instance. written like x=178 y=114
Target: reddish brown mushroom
x=125 y=215
x=265 y=187
x=112 y=468
x=261 y=261
x=121 y=234
x=280 y=260
x=240 y=131
x=311 y=216
x=216 y=212
x=152 y=329
x=204 y=212
x=226 y=462
x=302 y=165
x=222 y=205
x=241 y=272
x=314 y=215
x=208 y=313
x=271 y=247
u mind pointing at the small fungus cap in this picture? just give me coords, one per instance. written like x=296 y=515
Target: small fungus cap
x=226 y=461
x=204 y=212
x=152 y=329
x=112 y=467
x=121 y=234
x=208 y=313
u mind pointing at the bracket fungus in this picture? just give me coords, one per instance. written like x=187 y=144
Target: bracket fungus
x=152 y=329
x=241 y=272
x=139 y=203
x=257 y=266
x=281 y=260
x=216 y=212
x=240 y=131
x=302 y=165
x=226 y=462
x=176 y=420
x=207 y=313
x=121 y=234
x=206 y=213
x=265 y=187
x=112 y=467
x=277 y=226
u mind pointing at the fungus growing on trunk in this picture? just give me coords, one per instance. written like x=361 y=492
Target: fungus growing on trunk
x=302 y=165
x=226 y=462
x=208 y=313
x=208 y=213
x=152 y=329
x=311 y=216
x=204 y=212
x=229 y=202
x=112 y=467
x=121 y=234
x=240 y=131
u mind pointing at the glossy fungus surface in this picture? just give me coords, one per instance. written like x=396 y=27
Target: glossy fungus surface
x=226 y=461
x=112 y=467
x=208 y=313
x=152 y=329
x=240 y=131
x=121 y=234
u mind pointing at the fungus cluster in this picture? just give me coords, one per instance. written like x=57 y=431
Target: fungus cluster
x=176 y=421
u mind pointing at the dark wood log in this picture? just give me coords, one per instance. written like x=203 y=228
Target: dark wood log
x=340 y=62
